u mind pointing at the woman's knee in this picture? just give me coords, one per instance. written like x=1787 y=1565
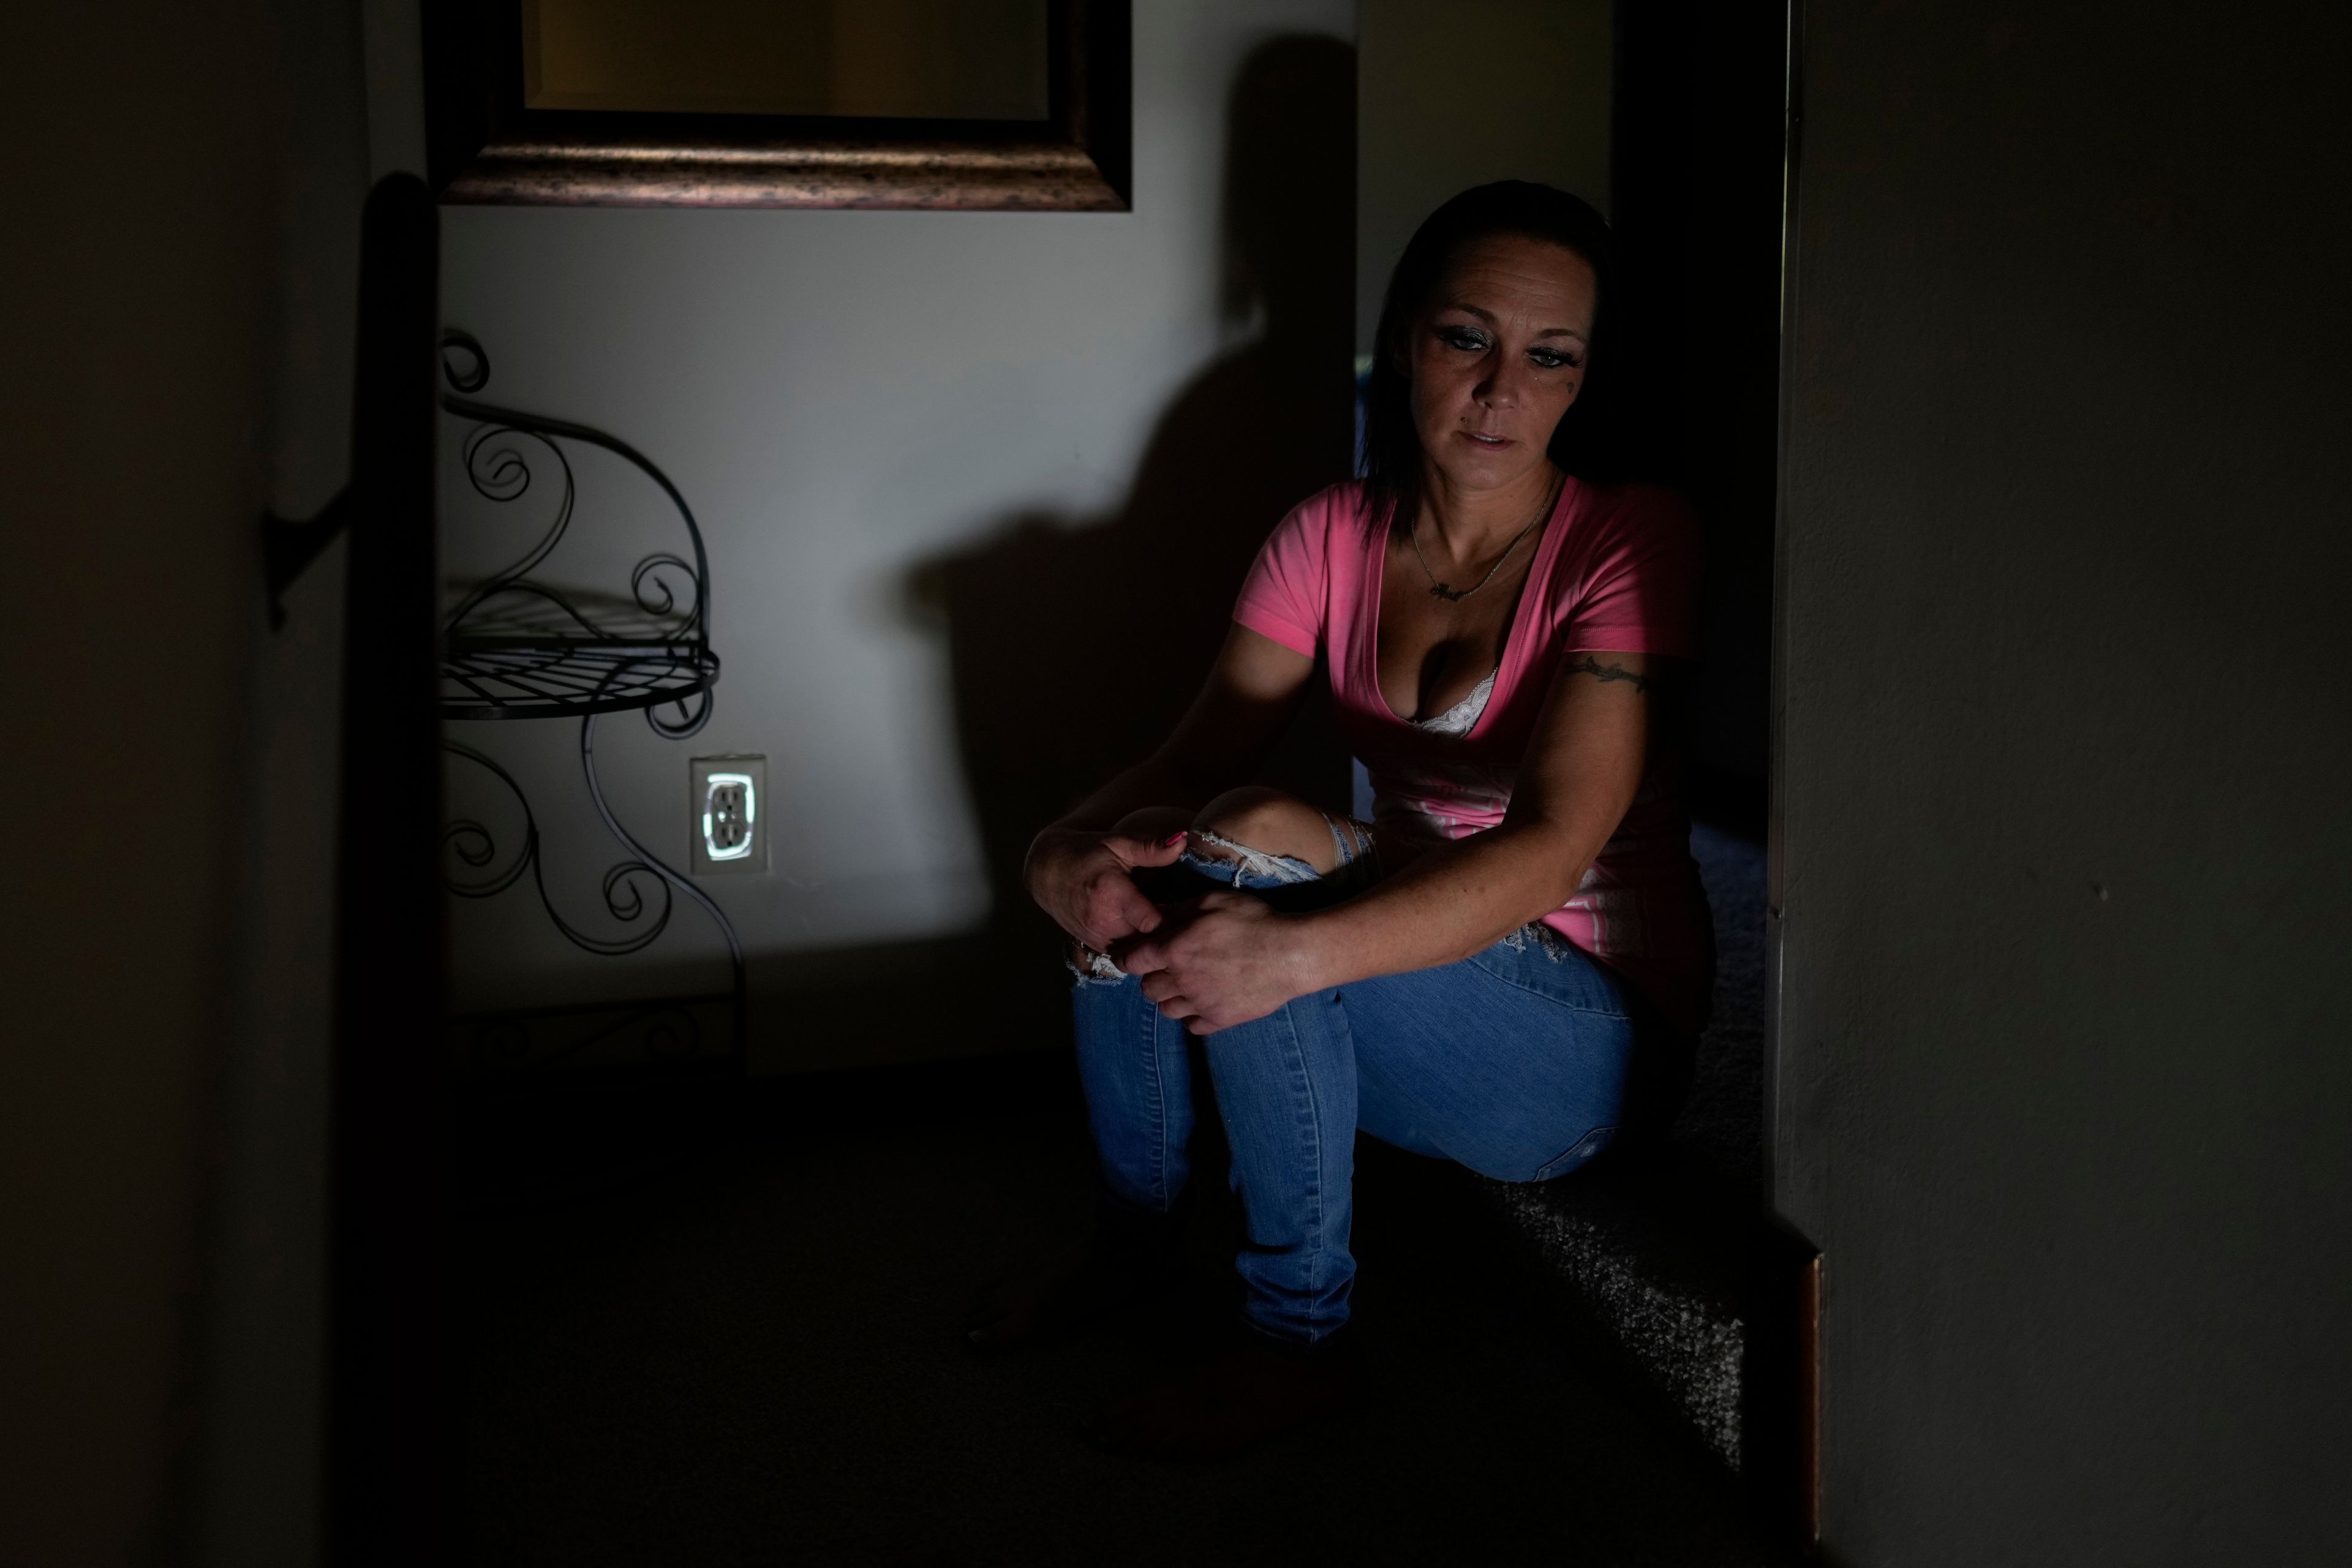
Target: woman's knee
x=1271 y=823
x=1153 y=822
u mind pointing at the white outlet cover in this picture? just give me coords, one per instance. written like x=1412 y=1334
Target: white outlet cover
x=729 y=814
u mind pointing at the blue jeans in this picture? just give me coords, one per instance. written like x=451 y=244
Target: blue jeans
x=1514 y=1062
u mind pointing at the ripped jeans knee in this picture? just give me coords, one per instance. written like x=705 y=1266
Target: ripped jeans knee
x=1089 y=967
x=1236 y=864
x=1287 y=881
x=1214 y=856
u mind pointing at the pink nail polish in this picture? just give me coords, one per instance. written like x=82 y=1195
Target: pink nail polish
x=1172 y=839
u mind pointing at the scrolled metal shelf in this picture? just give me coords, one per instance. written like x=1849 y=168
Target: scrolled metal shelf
x=518 y=647
x=470 y=841
x=515 y=646
x=553 y=677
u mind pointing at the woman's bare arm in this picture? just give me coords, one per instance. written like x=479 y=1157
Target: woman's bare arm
x=1078 y=869
x=1224 y=736
x=1238 y=961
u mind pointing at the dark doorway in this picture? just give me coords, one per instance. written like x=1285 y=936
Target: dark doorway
x=1697 y=153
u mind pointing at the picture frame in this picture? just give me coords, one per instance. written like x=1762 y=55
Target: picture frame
x=484 y=144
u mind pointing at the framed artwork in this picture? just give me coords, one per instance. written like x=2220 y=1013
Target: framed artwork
x=970 y=104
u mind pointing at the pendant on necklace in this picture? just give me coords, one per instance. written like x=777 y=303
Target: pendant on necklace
x=1451 y=596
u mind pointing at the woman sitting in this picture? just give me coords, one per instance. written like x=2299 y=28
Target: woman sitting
x=1507 y=965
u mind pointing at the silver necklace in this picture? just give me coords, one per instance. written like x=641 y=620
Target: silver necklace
x=1452 y=596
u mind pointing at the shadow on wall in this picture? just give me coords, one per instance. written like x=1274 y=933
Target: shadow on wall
x=1074 y=645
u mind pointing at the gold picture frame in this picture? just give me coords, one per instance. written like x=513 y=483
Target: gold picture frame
x=497 y=133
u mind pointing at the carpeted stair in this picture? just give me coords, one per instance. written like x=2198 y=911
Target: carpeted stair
x=1664 y=1248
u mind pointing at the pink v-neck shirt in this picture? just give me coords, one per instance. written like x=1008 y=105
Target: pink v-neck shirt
x=1617 y=571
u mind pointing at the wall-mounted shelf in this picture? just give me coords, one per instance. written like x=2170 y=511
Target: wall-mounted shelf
x=527 y=678
x=517 y=646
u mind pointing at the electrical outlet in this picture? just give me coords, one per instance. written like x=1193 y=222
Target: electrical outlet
x=729 y=814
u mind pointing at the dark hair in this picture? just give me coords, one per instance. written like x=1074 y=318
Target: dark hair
x=1392 y=455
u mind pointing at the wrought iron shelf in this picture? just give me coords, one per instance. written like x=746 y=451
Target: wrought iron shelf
x=556 y=677
x=515 y=646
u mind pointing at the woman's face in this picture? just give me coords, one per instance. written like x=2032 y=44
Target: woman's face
x=1497 y=357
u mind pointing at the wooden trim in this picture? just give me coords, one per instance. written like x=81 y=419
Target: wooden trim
x=1809 y=1402
x=1040 y=176
x=483 y=146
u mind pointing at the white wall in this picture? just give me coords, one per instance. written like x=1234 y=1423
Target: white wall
x=844 y=396
x=2064 y=819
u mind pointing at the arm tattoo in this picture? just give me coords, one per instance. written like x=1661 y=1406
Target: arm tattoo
x=1600 y=671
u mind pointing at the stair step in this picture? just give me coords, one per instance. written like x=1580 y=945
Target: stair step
x=1662 y=1248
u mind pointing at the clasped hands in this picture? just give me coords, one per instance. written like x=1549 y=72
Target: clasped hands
x=1210 y=963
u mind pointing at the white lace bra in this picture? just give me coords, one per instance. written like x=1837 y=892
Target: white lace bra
x=1460 y=719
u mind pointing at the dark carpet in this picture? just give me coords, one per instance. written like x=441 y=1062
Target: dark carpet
x=1662 y=1246
x=752 y=1358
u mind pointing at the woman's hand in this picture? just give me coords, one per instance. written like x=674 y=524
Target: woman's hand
x=1083 y=880
x=1227 y=961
